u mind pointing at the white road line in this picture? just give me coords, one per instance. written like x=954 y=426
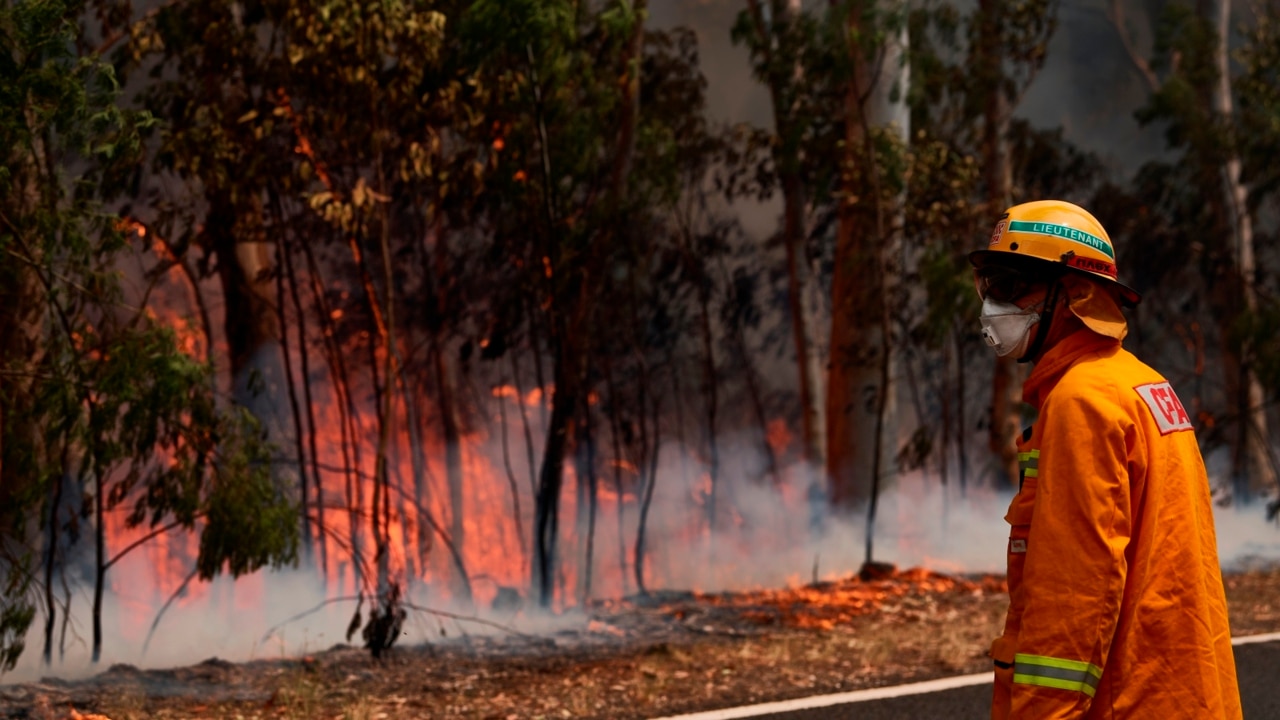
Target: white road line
x=857 y=696
x=821 y=701
x=1251 y=639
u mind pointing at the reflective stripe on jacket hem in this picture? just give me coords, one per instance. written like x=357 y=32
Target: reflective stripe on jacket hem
x=1056 y=673
x=1029 y=463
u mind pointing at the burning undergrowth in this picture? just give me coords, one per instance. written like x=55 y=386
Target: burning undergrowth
x=640 y=657
x=619 y=658
x=816 y=606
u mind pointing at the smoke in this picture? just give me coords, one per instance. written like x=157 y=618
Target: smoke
x=766 y=535
x=1246 y=540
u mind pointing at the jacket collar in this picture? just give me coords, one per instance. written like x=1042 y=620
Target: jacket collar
x=1050 y=367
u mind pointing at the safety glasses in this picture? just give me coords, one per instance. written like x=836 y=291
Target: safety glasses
x=1003 y=284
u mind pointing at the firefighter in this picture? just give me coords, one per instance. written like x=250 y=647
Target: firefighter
x=1116 y=601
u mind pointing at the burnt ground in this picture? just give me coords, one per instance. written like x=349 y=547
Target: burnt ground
x=670 y=653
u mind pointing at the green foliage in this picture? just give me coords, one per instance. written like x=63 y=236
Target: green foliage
x=16 y=609
x=941 y=206
x=247 y=524
x=960 y=62
x=1185 y=45
x=1259 y=92
x=92 y=388
x=804 y=60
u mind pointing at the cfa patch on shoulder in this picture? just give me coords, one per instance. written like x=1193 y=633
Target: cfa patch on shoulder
x=1166 y=408
x=1017 y=545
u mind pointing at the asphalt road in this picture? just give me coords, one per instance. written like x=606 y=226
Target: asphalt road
x=1257 y=668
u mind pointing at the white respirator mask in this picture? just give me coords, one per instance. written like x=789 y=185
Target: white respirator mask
x=1007 y=327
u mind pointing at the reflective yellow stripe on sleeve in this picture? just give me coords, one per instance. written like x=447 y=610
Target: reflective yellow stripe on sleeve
x=1056 y=673
x=1029 y=463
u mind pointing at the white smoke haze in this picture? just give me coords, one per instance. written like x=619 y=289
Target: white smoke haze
x=766 y=537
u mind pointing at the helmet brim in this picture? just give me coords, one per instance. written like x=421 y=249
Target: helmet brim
x=1038 y=267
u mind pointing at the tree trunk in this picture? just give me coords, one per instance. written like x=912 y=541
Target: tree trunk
x=99 y=558
x=1006 y=382
x=347 y=414
x=962 y=425
x=1252 y=466
x=304 y=357
x=862 y=422
x=650 y=445
x=710 y=390
x=437 y=274
x=615 y=437
x=524 y=422
x=250 y=320
x=24 y=303
x=51 y=558
x=738 y=342
x=452 y=444
x=388 y=592
x=516 y=512
x=292 y=385
x=588 y=484
x=551 y=477
x=629 y=114
x=800 y=275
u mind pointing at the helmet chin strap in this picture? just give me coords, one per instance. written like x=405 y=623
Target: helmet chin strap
x=1042 y=327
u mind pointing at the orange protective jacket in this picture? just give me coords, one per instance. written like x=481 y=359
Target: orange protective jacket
x=1116 y=601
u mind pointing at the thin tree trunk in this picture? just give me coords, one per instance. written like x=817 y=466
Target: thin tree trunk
x=66 y=617
x=348 y=427
x=516 y=513
x=711 y=393
x=538 y=375
x=615 y=436
x=524 y=422
x=630 y=111
x=862 y=382
x=452 y=443
x=421 y=484
x=962 y=413
x=888 y=256
x=651 y=481
x=382 y=398
x=100 y=557
x=799 y=277
x=944 y=396
x=564 y=399
x=51 y=559
x=391 y=376
x=1006 y=383
x=551 y=478
x=244 y=268
x=794 y=238
x=587 y=479
x=439 y=274
x=292 y=384
x=1254 y=468
x=750 y=379
x=305 y=359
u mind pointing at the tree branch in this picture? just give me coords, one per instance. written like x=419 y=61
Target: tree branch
x=1115 y=13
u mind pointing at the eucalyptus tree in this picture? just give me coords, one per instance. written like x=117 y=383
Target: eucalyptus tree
x=966 y=164
x=870 y=261
x=1214 y=187
x=101 y=407
x=571 y=205
x=785 y=45
x=1007 y=45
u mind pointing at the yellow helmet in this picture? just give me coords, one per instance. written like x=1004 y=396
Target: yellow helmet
x=1056 y=232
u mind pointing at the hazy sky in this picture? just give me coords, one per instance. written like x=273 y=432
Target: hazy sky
x=1088 y=85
